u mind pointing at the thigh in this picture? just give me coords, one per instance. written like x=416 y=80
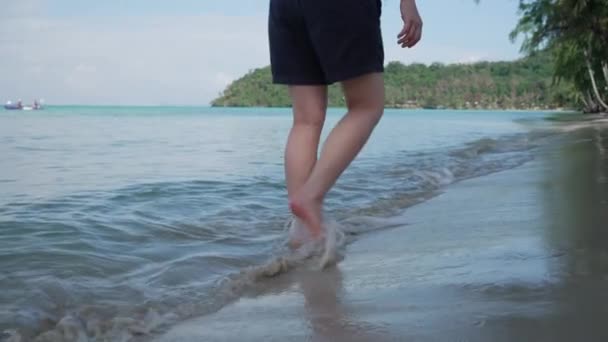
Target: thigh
x=309 y=104
x=365 y=92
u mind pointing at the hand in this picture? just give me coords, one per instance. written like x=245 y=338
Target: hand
x=412 y=24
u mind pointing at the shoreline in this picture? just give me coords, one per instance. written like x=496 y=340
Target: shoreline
x=210 y=106
x=372 y=225
x=535 y=109
x=488 y=259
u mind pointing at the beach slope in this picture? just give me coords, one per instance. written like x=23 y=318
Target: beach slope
x=520 y=255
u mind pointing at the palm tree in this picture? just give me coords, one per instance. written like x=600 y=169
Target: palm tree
x=576 y=31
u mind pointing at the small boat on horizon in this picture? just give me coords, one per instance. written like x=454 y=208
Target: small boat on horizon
x=19 y=106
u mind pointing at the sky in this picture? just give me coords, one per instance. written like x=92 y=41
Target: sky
x=185 y=52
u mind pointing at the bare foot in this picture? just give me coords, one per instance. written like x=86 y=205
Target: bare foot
x=298 y=234
x=309 y=212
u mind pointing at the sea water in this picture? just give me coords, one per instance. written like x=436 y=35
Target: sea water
x=119 y=221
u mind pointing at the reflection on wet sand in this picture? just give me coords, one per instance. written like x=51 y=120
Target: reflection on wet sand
x=575 y=227
x=576 y=204
x=329 y=318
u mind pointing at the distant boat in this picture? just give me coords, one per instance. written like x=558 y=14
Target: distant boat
x=19 y=106
x=10 y=106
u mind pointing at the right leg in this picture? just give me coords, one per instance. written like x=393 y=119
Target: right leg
x=365 y=102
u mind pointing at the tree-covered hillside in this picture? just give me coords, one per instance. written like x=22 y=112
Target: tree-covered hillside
x=521 y=84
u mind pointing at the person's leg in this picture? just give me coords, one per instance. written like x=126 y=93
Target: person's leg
x=365 y=102
x=309 y=107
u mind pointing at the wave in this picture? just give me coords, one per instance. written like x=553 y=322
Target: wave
x=239 y=217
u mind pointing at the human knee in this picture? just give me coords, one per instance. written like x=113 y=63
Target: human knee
x=365 y=95
x=373 y=109
x=310 y=119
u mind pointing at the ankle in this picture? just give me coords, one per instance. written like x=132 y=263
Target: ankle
x=313 y=196
x=307 y=197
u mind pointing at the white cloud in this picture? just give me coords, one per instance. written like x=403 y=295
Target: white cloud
x=223 y=79
x=428 y=52
x=19 y=8
x=469 y=59
x=142 y=59
x=128 y=60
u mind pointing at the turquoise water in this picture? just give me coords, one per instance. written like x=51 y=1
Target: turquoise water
x=143 y=213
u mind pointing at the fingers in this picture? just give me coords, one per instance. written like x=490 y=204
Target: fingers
x=416 y=37
x=407 y=27
x=410 y=35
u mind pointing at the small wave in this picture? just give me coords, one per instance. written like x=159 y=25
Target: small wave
x=417 y=177
x=233 y=215
x=86 y=324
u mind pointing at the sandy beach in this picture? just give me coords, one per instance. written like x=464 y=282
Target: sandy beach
x=519 y=255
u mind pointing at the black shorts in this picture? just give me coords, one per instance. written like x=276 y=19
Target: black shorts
x=320 y=42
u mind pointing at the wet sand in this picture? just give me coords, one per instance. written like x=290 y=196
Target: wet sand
x=520 y=255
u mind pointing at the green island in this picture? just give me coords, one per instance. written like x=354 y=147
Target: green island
x=523 y=84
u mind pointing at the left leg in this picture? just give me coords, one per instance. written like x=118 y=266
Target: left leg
x=309 y=107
